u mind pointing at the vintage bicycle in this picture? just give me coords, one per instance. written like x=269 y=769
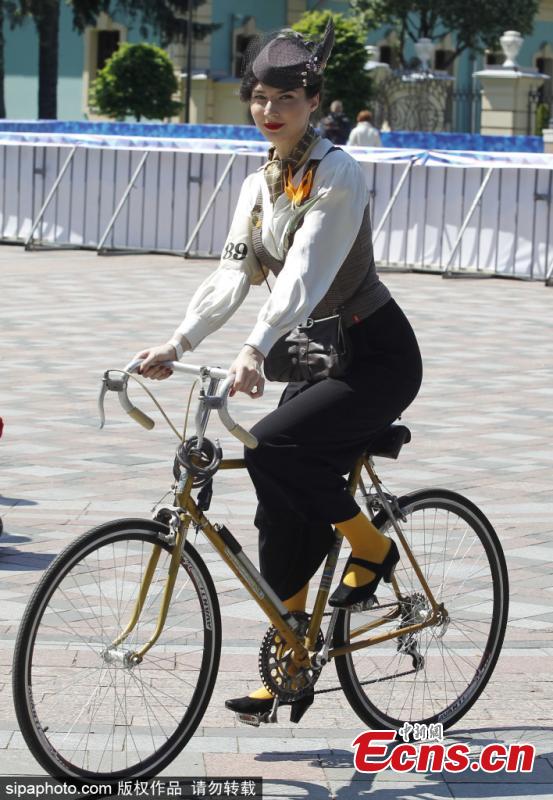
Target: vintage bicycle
x=120 y=644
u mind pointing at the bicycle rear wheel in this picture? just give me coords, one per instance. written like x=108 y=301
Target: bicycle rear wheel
x=85 y=712
x=436 y=674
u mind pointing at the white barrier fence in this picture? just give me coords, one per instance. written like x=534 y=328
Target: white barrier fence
x=462 y=213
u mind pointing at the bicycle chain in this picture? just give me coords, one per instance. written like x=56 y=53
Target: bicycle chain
x=371 y=680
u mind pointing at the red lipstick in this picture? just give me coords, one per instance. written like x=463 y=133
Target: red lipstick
x=273 y=126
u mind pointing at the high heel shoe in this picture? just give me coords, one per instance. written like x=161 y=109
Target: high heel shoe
x=261 y=707
x=250 y=705
x=345 y=596
x=299 y=707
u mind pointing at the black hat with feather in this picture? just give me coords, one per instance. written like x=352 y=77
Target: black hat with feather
x=288 y=60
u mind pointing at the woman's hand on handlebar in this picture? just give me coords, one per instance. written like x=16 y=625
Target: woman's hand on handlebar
x=151 y=366
x=247 y=368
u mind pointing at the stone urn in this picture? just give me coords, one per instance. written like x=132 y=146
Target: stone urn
x=424 y=49
x=511 y=42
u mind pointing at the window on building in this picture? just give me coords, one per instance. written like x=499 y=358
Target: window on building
x=99 y=43
x=545 y=65
x=107 y=44
x=494 y=58
x=386 y=54
x=442 y=61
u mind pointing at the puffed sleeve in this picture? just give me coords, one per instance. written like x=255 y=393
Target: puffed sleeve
x=320 y=246
x=222 y=292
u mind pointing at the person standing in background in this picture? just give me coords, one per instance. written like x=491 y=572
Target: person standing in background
x=336 y=125
x=364 y=134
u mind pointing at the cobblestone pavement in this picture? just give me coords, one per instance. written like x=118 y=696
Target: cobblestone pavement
x=482 y=425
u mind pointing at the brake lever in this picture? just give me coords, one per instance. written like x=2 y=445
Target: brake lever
x=119 y=385
x=101 y=396
x=109 y=384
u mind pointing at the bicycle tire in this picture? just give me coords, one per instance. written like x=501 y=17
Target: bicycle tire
x=176 y=653
x=382 y=700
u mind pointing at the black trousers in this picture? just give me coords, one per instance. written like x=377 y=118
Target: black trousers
x=313 y=439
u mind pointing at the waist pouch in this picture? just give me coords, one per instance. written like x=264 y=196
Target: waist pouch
x=318 y=349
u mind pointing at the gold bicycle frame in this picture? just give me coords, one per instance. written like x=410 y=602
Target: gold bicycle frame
x=247 y=574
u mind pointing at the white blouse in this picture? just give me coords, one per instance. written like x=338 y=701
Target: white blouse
x=332 y=218
x=365 y=135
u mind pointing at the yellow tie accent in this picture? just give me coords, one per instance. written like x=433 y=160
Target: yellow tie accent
x=366 y=542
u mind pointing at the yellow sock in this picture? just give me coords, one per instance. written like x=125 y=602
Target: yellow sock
x=297 y=602
x=366 y=542
x=261 y=694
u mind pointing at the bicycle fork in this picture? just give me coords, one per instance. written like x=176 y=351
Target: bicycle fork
x=134 y=657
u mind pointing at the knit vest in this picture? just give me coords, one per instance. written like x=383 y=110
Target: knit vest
x=356 y=291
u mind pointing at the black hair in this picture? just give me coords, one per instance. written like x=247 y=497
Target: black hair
x=315 y=86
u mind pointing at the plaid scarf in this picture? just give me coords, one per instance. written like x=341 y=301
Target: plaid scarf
x=276 y=169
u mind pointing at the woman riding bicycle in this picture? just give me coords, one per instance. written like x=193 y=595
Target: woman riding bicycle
x=320 y=427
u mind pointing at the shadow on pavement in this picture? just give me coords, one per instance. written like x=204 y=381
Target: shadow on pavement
x=16 y=501
x=14 y=538
x=17 y=560
x=508 y=733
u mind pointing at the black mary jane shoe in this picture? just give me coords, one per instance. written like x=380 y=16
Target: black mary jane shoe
x=346 y=596
x=257 y=706
x=250 y=705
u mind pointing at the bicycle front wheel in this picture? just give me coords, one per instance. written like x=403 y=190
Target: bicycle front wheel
x=436 y=674
x=85 y=710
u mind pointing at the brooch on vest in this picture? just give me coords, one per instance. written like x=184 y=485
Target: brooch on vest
x=302 y=192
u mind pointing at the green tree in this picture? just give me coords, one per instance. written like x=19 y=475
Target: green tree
x=138 y=80
x=45 y=14
x=543 y=112
x=168 y=18
x=345 y=77
x=474 y=24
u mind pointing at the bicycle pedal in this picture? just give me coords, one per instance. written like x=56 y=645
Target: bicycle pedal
x=249 y=719
x=255 y=720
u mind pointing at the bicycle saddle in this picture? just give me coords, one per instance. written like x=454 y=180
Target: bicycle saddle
x=388 y=443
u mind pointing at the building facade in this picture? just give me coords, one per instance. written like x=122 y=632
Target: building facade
x=216 y=59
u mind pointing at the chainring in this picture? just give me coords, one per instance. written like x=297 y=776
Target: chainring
x=275 y=661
